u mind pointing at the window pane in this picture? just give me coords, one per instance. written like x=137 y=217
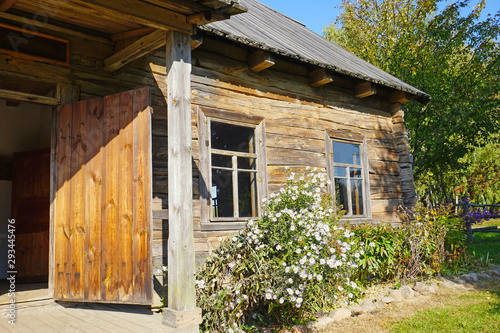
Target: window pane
x=357 y=197
x=221 y=161
x=247 y=194
x=246 y=163
x=347 y=153
x=356 y=173
x=222 y=193
x=340 y=172
x=232 y=137
x=341 y=193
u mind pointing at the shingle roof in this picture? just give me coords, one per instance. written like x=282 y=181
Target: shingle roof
x=269 y=30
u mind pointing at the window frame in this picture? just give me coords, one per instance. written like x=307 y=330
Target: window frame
x=205 y=117
x=352 y=138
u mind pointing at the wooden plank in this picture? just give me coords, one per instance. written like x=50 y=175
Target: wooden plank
x=142 y=195
x=125 y=191
x=143 y=13
x=110 y=231
x=93 y=204
x=132 y=33
x=135 y=50
x=319 y=77
x=181 y=254
x=365 y=89
x=6 y=4
x=78 y=142
x=62 y=204
x=399 y=97
x=260 y=60
x=30 y=98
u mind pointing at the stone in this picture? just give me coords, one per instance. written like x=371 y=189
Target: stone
x=459 y=281
x=380 y=305
x=299 y=328
x=483 y=276
x=321 y=324
x=421 y=288
x=387 y=299
x=311 y=326
x=368 y=306
x=339 y=314
x=266 y=330
x=449 y=284
x=474 y=277
x=434 y=284
x=407 y=292
x=468 y=278
x=396 y=294
x=432 y=290
x=356 y=309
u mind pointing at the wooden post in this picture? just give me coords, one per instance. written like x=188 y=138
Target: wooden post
x=182 y=313
x=469 y=226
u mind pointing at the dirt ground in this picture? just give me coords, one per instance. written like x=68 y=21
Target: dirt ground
x=378 y=322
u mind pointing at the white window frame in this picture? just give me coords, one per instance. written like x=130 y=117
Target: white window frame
x=205 y=117
x=343 y=136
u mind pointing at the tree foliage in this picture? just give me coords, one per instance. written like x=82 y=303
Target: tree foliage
x=450 y=54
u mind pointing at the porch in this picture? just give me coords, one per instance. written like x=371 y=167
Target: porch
x=37 y=312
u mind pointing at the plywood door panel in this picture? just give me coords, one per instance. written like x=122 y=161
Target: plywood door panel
x=102 y=220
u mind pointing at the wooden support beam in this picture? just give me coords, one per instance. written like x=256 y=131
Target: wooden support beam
x=399 y=97
x=132 y=33
x=196 y=39
x=52 y=27
x=182 y=313
x=6 y=5
x=136 y=50
x=199 y=18
x=143 y=13
x=260 y=60
x=25 y=97
x=319 y=77
x=365 y=89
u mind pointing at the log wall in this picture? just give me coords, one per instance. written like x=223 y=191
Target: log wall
x=295 y=113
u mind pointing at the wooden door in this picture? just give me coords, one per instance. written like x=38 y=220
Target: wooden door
x=30 y=209
x=102 y=200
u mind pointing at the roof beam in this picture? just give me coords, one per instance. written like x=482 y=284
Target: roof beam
x=132 y=33
x=399 y=97
x=260 y=60
x=136 y=50
x=365 y=89
x=196 y=39
x=320 y=77
x=26 y=97
x=6 y=4
x=143 y=13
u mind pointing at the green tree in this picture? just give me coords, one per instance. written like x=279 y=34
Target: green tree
x=451 y=55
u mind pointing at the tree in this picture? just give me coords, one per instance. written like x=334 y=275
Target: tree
x=449 y=55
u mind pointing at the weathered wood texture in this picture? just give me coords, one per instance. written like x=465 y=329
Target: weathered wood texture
x=102 y=237
x=30 y=210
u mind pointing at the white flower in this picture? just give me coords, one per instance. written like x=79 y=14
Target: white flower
x=278 y=247
x=319 y=277
x=350 y=295
x=289 y=290
x=164 y=268
x=290 y=280
x=282 y=300
x=287 y=270
x=299 y=300
x=269 y=296
x=341 y=288
x=372 y=244
x=297 y=251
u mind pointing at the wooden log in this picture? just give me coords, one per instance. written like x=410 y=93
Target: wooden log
x=319 y=77
x=181 y=255
x=26 y=97
x=132 y=33
x=6 y=4
x=365 y=89
x=400 y=97
x=260 y=60
x=135 y=50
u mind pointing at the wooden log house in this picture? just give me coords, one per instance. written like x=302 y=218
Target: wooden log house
x=106 y=186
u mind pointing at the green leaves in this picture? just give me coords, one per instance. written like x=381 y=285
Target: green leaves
x=449 y=54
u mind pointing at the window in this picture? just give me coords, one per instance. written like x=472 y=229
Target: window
x=348 y=170
x=232 y=168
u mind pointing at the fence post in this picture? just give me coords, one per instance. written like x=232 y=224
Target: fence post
x=469 y=226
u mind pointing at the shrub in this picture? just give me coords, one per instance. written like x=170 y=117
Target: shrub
x=282 y=268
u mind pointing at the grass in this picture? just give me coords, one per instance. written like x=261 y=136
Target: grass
x=477 y=312
x=486 y=244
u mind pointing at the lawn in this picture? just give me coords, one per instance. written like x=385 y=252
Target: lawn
x=476 y=312
x=486 y=244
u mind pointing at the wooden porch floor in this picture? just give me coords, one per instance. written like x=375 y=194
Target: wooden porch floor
x=36 y=312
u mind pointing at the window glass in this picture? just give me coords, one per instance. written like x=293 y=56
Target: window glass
x=232 y=137
x=222 y=161
x=357 y=197
x=222 y=193
x=346 y=153
x=341 y=193
x=247 y=189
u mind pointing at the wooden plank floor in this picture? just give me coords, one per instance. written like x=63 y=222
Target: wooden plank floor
x=82 y=317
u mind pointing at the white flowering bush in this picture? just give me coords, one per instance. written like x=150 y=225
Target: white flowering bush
x=294 y=261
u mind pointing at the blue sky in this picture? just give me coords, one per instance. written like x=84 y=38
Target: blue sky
x=316 y=14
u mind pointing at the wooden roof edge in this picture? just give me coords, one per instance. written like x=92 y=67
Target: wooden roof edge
x=414 y=93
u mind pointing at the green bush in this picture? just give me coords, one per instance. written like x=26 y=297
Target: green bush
x=294 y=261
